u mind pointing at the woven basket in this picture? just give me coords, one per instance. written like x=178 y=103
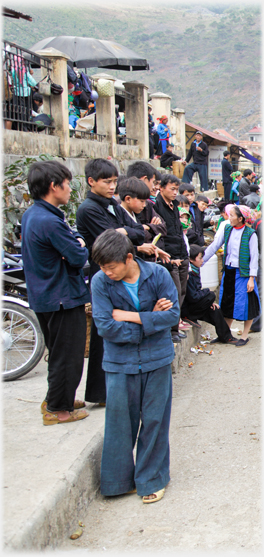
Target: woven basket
x=220 y=189
x=220 y=266
x=178 y=169
x=88 y=313
x=105 y=88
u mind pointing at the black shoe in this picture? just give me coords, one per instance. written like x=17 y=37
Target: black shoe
x=193 y=322
x=175 y=338
x=181 y=335
x=242 y=342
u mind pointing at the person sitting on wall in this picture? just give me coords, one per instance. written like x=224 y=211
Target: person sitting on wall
x=168 y=157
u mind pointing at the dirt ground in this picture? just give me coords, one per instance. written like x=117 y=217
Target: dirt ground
x=213 y=501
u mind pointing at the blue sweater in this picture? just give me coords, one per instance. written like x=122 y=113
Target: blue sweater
x=53 y=259
x=130 y=345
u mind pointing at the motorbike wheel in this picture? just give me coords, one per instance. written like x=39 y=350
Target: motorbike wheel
x=23 y=342
x=208 y=236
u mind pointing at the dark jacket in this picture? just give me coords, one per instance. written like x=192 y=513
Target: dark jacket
x=167 y=158
x=145 y=217
x=227 y=169
x=194 y=291
x=199 y=157
x=94 y=217
x=251 y=200
x=174 y=241
x=128 y=345
x=195 y=233
x=53 y=259
x=244 y=189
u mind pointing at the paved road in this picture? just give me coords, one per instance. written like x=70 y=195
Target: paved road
x=213 y=499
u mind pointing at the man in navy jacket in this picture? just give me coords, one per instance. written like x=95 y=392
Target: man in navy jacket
x=135 y=304
x=199 y=152
x=53 y=257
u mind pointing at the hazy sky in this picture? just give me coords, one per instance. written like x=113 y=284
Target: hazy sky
x=23 y=4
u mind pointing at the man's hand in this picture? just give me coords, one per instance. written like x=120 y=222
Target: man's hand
x=155 y=220
x=82 y=242
x=145 y=226
x=163 y=305
x=214 y=305
x=198 y=148
x=177 y=262
x=250 y=284
x=122 y=231
x=129 y=316
x=163 y=255
x=184 y=163
x=149 y=249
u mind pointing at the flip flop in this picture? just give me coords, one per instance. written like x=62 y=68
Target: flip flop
x=77 y=404
x=158 y=495
x=51 y=419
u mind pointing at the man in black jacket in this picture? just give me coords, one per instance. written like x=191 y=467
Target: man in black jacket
x=96 y=214
x=227 y=169
x=199 y=152
x=253 y=199
x=199 y=303
x=167 y=207
x=244 y=184
x=168 y=157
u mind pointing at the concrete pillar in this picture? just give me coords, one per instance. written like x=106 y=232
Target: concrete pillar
x=105 y=117
x=161 y=104
x=59 y=103
x=136 y=114
x=178 y=117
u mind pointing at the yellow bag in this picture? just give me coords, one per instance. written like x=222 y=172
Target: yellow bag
x=105 y=88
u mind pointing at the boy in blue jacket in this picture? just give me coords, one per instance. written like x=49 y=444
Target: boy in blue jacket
x=199 y=303
x=53 y=258
x=135 y=304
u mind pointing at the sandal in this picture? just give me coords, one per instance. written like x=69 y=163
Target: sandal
x=77 y=404
x=242 y=342
x=51 y=419
x=158 y=495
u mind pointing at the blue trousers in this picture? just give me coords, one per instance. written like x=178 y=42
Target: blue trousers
x=136 y=405
x=189 y=171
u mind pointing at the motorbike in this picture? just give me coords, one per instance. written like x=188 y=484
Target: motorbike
x=23 y=342
x=212 y=213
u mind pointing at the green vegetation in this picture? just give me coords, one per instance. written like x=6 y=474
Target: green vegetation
x=220 y=48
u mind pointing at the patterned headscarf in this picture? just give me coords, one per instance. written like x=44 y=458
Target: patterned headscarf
x=228 y=207
x=162 y=118
x=234 y=175
x=184 y=211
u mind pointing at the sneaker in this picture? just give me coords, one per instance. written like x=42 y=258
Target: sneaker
x=175 y=337
x=182 y=335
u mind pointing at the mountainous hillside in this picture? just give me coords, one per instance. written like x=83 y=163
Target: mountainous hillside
x=207 y=58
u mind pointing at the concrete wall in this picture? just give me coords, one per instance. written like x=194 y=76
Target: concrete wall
x=89 y=148
x=29 y=143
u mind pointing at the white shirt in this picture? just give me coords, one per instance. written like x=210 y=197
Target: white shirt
x=232 y=255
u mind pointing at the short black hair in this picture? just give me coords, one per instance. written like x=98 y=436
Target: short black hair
x=38 y=97
x=111 y=246
x=99 y=169
x=203 y=198
x=225 y=153
x=140 y=169
x=42 y=174
x=254 y=187
x=182 y=199
x=158 y=175
x=134 y=187
x=186 y=187
x=247 y=172
x=169 y=179
x=222 y=205
x=120 y=180
x=195 y=250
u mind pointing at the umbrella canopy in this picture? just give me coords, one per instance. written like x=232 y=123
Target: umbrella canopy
x=85 y=52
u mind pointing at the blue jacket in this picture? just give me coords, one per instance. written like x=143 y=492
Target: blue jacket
x=129 y=345
x=52 y=280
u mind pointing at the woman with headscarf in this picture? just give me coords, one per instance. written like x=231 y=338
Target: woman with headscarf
x=239 y=297
x=164 y=134
x=234 y=193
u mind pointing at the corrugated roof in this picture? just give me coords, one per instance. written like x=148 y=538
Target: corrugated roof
x=212 y=134
x=225 y=133
x=256 y=129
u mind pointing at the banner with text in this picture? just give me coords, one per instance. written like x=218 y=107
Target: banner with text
x=214 y=161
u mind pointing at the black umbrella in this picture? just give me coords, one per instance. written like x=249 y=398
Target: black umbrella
x=85 y=52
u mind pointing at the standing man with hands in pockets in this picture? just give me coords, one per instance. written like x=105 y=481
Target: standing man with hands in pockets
x=199 y=152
